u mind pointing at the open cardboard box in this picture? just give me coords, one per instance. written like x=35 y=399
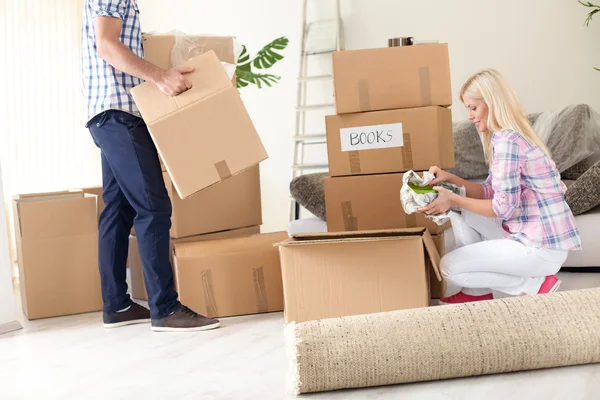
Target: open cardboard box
x=204 y=135
x=328 y=275
x=57 y=252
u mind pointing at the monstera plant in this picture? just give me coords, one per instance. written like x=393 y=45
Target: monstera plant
x=264 y=59
x=594 y=9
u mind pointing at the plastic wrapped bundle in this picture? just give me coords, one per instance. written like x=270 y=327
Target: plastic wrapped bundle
x=188 y=46
x=416 y=193
x=488 y=337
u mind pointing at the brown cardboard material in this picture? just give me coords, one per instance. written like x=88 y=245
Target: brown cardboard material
x=342 y=274
x=200 y=129
x=230 y=277
x=392 y=78
x=367 y=202
x=438 y=288
x=231 y=204
x=158 y=48
x=57 y=252
x=138 y=287
x=390 y=141
x=97 y=191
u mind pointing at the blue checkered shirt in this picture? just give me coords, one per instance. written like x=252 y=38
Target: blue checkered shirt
x=106 y=88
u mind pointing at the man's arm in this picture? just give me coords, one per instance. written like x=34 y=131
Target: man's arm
x=120 y=57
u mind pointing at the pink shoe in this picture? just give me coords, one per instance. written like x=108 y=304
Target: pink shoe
x=550 y=285
x=461 y=297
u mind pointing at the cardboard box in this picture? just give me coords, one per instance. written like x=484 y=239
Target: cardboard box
x=390 y=141
x=57 y=252
x=97 y=191
x=204 y=135
x=342 y=274
x=231 y=204
x=392 y=78
x=230 y=277
x=438 y=287
x=138 y=287
x=368 y=202
x=158 y=50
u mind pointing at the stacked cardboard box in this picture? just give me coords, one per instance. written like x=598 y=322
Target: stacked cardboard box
x=392 y=117
x=57 y=252
x=210 y=151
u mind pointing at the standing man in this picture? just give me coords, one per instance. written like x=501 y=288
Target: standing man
x=133 y=186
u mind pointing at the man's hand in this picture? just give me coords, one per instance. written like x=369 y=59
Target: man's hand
x=441 y=204
x=172 y=82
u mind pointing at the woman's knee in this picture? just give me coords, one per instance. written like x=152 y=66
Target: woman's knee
x=449 y=265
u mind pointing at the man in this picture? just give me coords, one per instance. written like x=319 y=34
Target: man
x=133 y=187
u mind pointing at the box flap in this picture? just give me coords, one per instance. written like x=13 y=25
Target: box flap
x=323 y=237
x=35 y=197
x=433 y=254
x=210 y=248
x=209 y=77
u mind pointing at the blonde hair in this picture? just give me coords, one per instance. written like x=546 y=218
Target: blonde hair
x=505 y=111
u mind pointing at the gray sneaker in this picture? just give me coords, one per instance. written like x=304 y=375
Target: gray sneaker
x=184 y=320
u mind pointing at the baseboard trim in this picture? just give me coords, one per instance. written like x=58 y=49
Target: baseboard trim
x=9 y=327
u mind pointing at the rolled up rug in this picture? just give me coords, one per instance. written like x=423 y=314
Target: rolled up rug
x=488 y=337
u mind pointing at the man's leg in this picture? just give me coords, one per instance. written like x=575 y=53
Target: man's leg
x=128 y=148
x=116 y=220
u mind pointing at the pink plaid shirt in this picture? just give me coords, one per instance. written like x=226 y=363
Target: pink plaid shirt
x=528 y=194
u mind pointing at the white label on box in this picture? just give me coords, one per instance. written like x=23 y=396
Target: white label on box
x=372 y=137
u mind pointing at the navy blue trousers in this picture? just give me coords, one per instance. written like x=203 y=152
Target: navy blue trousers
x=134 y=193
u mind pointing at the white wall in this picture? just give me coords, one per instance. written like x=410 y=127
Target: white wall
x=541 y=46
x=7 y=305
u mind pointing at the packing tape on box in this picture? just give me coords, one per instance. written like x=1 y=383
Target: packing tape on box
x=350 y=221
x=364 y=100
x=407 y=156
x=354 y=158
x=223 y=170
x=209 y=296
x=260 y=289
x=425 y=83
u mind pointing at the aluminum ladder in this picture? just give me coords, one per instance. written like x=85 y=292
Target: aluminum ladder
x=319 y=37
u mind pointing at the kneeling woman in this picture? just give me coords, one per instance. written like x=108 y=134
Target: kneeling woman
x=514 y=230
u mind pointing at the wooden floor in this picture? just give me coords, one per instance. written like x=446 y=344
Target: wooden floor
x=75 y=358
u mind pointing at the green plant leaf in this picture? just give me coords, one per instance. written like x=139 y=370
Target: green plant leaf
x=244 y=60
x=596 y=9
x=269 y=55
x=246 y=77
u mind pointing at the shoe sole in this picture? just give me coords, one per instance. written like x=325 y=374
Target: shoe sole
x=194 y=329
x=555 y=287
x=125 y=323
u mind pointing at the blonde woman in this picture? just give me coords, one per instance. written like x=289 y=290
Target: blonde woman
x=514 y=230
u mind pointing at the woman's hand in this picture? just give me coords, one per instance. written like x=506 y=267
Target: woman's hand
x=440 y=175
x=441 y=204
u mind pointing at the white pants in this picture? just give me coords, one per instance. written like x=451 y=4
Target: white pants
x=483 y=261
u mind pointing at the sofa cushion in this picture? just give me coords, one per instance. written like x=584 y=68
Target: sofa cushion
x=571 y=133
x=309 y=191
x=584 y=194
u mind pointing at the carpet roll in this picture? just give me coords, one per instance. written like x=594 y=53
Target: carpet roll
x=490 y=337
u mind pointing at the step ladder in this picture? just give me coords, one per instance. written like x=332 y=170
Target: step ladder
x=319 y=38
